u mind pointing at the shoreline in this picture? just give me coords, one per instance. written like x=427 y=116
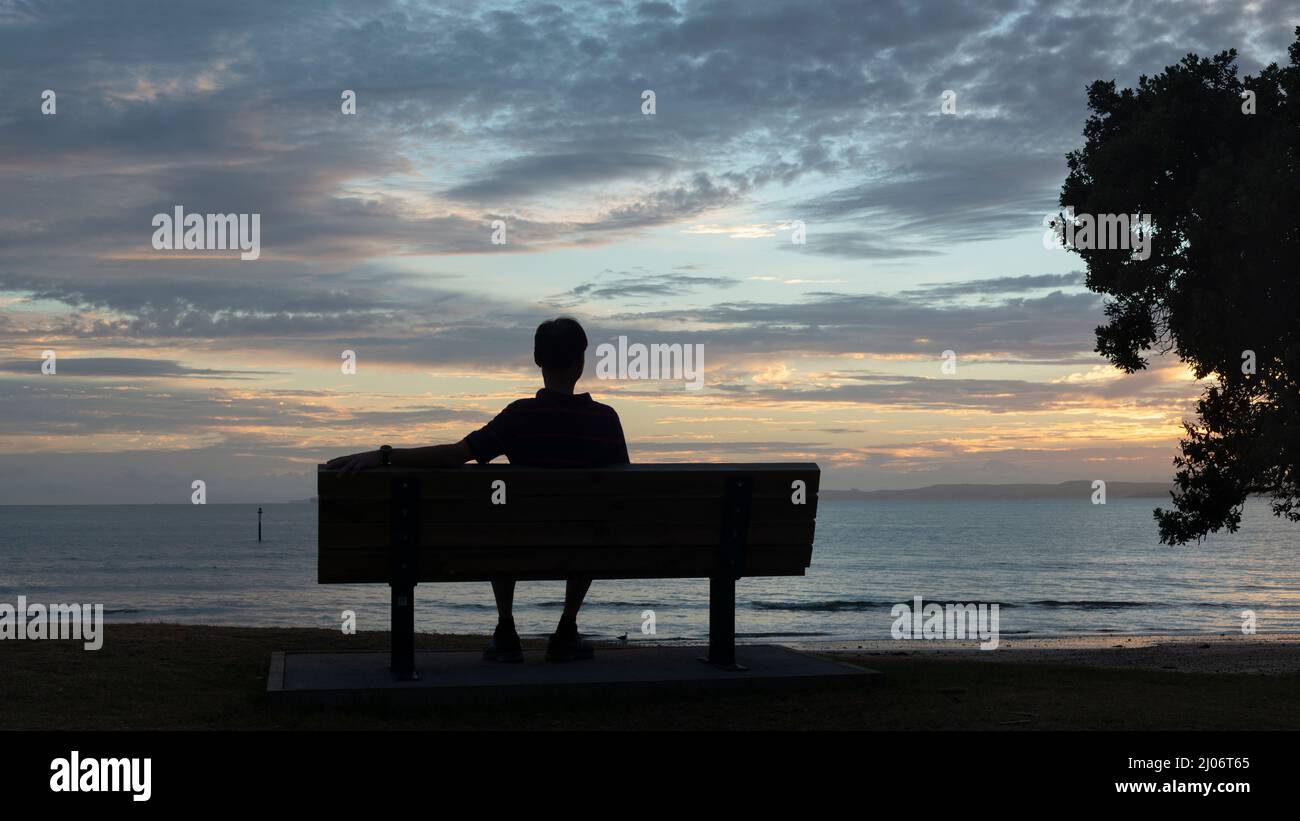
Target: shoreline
x=817 y=644
x=1064 y=641
x=803 y=640
x=1265 y=654
x=170 y=676
x=1054 y=641
x=1262 y=653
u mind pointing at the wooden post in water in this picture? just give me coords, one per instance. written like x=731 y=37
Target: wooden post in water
x=259 y=524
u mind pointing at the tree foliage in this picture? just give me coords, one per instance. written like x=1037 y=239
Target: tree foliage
x=1223 y=277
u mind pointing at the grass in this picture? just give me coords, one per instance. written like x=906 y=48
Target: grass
x=158 y=676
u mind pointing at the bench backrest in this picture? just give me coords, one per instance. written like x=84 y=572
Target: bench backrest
x=624 y=522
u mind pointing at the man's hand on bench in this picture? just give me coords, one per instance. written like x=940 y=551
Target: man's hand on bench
x=433 y=456
x=350 y=464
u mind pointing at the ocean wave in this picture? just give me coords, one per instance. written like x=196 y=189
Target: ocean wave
x=1090 y=604
x=832 y=606
x=850 y=605
x=596 y=604
x=781 y=635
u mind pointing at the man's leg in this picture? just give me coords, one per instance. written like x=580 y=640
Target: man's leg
x=575 y=590
x=505 y=644
x=565 y=644
x=504 y=592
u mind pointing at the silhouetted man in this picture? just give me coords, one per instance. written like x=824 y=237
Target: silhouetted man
x=555 y=429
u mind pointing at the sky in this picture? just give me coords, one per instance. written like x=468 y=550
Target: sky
x=922 y=233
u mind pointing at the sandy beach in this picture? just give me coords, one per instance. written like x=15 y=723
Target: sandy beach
x=1276 y=654
x=167 y=676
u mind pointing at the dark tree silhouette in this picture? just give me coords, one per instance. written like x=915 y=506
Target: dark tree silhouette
x=1223 y=277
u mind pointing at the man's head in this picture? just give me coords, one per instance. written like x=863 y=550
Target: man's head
x=558 y=349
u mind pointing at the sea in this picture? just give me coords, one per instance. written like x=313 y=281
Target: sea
x=1055 y=568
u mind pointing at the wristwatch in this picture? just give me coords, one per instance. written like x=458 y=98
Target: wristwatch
x=386 y=455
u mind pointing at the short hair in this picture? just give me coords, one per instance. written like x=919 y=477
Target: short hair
x=559 y=343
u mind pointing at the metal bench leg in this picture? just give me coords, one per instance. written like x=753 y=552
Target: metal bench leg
x=737 y=500
x=402 y=659
x=722 y=624
x=404 y=553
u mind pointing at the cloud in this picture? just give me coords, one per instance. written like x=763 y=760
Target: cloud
x=553 y=173
x=854 y=245
x=113 y=366
x=186 y=417
x=1045 y=327
x=642 y=285
x=944 y=196
x=997 y=285
x=460 y=111
x=866 y=389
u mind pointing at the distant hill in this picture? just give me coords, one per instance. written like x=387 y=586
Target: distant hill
x=1078 y=489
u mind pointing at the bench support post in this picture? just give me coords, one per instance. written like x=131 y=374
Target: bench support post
x=722 y=624
x=737 y=500
x=404 y=552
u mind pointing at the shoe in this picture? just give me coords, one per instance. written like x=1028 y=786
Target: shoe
x=504 y=647
x=567 y=646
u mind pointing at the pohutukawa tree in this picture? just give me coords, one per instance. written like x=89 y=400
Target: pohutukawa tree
x=1221 y=287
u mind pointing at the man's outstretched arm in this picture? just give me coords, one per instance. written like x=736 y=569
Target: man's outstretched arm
x=433 y=456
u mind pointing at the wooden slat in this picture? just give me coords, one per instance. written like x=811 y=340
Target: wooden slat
x=559 y=534
x=630 y=509
x=625 y=480
x=556 y=563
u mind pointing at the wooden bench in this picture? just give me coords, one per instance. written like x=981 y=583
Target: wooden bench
x=717 y=521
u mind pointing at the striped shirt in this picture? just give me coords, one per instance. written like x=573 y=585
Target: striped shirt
x=552 y=430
